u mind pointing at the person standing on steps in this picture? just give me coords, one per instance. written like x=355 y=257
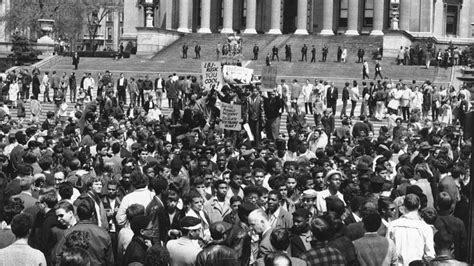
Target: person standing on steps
x=267 y=60
x=75 y=60
x=197 y=51
x=345 y=98
x=313 y=55
x=378 y=70
x=325 y=53
x=339 y=54
x=355 y=96
x=304 y=52
x=72 y=87
x=218 y=51
x=275 y=54
x=45 y=84
x=255 y=52
x=185 y=51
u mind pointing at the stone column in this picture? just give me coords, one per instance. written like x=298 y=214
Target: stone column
x=183 y=16
x=405 y=10
x=353 y=19
x=438 y=18
x=465 y=20
x=228 y=9
x=328 y=8
x=275 y=19
x=301 y=23
x=205 y=17
x=378 y=18
x=251 y=17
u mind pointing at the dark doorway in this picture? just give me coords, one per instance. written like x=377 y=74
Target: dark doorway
x=289 y=16
x=452 y=20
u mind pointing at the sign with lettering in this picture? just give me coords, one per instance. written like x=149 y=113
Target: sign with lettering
x=211 y=75
x=269 y=75
x=237 y=75
x=231 y=116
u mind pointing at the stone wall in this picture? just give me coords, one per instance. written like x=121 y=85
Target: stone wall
x=151 y=40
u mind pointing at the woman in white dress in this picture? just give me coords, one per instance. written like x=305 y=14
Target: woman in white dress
x=13 y=93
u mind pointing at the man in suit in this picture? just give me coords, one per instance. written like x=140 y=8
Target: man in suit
x=275 y=53
x=373 y=249
x=75 y=60
x=261 y=225
x=122 y=84
x=197 y=51
x=278 y=217
x=255 y=52
x=332 y=95
x=255 y=114
x=272 y=106
x=26 y=181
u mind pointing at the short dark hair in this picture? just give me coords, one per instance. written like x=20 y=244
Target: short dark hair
x=411 y=202
x=65 y=190
x=280 y=239
x=159 y=185
x=443 y=240
x=77 y=239
x=138 y=180
x=21 y=225
x=86 y=208
x=134 y=210
x=75 y=256
x=12 y=207
x=218 y=183
x=372 y=222
x=48 y=196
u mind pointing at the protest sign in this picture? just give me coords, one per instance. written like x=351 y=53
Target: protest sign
x=211 y=75
x=269 y=75
x=237 y=75
x=231 y=116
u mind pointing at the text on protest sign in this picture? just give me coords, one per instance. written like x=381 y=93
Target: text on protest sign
x=231 y=116
x=211 y=75
x=269 y=75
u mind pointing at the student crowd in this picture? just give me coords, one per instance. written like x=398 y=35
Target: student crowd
x=107 y=185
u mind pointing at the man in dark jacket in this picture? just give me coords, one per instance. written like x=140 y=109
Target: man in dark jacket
x=216 y=252
x=72 y=87
x=345 y=98
x=137 y=249
x=331 y=97
x=272 y=106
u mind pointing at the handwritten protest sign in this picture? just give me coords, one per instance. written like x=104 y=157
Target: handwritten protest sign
x=237 y=75
x=269 y=74
x=211 y=75
x=231 y=116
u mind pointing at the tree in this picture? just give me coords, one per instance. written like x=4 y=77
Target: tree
x=70 y=17
x=22 y=51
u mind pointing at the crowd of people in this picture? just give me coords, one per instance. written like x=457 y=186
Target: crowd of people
x=114 y=182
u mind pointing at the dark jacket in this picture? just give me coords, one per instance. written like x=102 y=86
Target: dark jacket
x=332 y=97
x=240 y=241
x=345 y=94
x=217 y=254
x=272 y=107
x=136 y=251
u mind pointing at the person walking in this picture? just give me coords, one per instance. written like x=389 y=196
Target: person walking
x=72 y=87
x=275 y=54
x=313 y=55
x=365 y=70
x=345 y=98
x=378 y=70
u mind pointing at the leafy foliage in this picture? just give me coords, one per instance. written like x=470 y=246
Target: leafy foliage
x=22 y=51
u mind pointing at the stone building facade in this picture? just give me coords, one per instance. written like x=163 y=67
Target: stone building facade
x=439 y=18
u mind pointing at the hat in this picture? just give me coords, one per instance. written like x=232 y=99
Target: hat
x=383 y=147
x=333 y=172
x=139 y=222
x=218 y=229
x=190 y=223
x=425 y=146
x=24 y=169
x=301 y=212
x=136 y=145
x=310 y=194
x=248 y=152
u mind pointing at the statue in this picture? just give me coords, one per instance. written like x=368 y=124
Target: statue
x=394 y=14
x=235 y=45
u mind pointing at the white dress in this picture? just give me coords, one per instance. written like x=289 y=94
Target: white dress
x=13 y=92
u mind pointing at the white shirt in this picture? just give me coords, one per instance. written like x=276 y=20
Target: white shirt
x=274 y=217
x=321 y=199
x=142 y=196
x=355 y=93
x=413 y=238
x=121 y=81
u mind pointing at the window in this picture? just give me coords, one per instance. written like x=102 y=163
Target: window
x=221 y=17
x=368 y=13
x=121 y=17
x=343 y=13
x=109 y=33
x=110 y=16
